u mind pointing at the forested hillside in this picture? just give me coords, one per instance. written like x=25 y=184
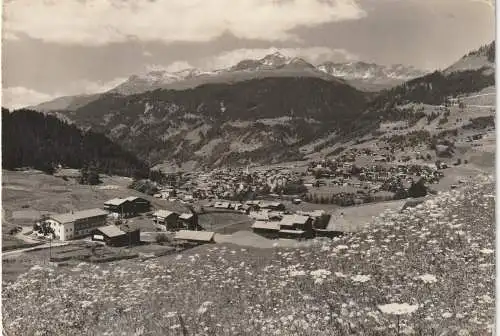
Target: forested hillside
x=32 y=139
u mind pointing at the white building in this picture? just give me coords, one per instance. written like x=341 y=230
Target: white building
x=77 y=224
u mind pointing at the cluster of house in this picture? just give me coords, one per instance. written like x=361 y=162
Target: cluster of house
x=300 y=225
x=166 y=220
x=228 y=184
x=249 y=207
x=341 y=173
x=93 y=222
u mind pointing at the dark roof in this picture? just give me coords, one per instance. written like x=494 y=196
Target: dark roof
x=73 y=216
x=111 y=231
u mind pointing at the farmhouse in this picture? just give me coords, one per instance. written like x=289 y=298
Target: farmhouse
x=267 y=229
x=117 y=236
x=76 y=224
x=295 y=222
x=165 y=218
x=129 y=206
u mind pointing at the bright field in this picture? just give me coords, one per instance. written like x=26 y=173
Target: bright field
x=436 y=261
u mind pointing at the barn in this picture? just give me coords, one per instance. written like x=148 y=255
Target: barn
x=127 y=207
x=117 y=236
x=167 y=220
x=266 y=229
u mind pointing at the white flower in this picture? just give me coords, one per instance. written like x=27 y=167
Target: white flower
x=427 y=278
x=204 y=307
x=360 y=278
x=397 y=308
x=297 y=273
x=320 y=273
x=487 y=251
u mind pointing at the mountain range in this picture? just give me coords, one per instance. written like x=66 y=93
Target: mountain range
x=265 y=111
x=361 y=75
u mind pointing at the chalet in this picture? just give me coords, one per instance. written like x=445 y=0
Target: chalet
x=165 y=219
x=76 y=224
x=117 y=236
x=267 y=229
x=129 y=206
x=295 y=222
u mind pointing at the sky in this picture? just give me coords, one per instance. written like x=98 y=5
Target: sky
x=54 y=48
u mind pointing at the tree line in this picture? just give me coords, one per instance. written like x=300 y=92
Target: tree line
x=44 y=142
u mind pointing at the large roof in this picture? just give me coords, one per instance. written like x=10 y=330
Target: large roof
x=135 y=198
x=293 y=219
x=194 y=235
x=111 y=231
x=186 y=216
x=266 y=225
x=73 y=216
x=116 y=201
x=163 y=213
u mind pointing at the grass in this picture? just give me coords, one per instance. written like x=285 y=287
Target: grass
x=26 y=193
x=226 y=222
x=437 y=257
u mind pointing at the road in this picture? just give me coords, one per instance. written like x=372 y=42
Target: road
x=43 y=246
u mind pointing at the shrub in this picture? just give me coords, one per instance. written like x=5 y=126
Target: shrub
x=162 y=238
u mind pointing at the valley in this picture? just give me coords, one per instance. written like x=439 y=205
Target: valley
x=272 y=197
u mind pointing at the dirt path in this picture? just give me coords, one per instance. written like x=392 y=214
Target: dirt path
x=44 y=246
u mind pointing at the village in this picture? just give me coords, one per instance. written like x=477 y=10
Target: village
x=286 y=202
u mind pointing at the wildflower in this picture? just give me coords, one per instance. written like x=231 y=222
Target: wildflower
x=204 y=307
x=398 y=308
x=427 y=278
x=360 y=278
x=487 y=251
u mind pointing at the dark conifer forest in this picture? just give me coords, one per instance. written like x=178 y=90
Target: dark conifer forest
x=33 y=139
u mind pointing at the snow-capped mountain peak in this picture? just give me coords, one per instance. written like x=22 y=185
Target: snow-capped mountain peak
x=274 y=59
x=370 y=71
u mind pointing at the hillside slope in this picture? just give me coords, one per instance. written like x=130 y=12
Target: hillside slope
x=435 y=261
x=215 y=124
x=31 y=139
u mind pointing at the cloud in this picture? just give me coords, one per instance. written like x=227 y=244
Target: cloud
x=18 y=96
x=172 y=67
x=314 y=55
x=98 y=22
